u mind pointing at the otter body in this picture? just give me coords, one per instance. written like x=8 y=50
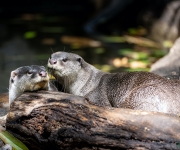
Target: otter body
x=134 y=90
x=28 y=78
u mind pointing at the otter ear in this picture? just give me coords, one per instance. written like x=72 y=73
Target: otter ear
x=13 y=74
x=79 y=60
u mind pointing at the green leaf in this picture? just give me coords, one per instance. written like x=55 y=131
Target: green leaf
x=133 y=31
x=136 y=69
x=30 y=35
x=113 y=39
x=159 y=53
x=99 y=50
x=132 y=54
x=14 y=142
x=125 y=52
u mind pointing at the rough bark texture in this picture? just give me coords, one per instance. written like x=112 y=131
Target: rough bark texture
x=4 y=108
x=52 y=120
x=4 y=104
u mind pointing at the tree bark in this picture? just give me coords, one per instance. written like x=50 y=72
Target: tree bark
x=4 y=108
x=53 y=120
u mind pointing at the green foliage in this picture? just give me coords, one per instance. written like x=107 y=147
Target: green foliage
x=114 y=39
x=105 y=68
x=99 y=50
x=136 y=69
x=167 y=44
x=14 y=142
x=133 y=31
x=158 y=53
x=30 y=34
x=132 y=54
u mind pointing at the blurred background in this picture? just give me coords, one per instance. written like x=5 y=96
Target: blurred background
x=112 y=35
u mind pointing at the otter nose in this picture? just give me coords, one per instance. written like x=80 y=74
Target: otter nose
x=52 y=61
x=43 y=73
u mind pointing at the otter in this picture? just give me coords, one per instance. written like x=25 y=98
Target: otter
x=28 y=78
x=134 y=90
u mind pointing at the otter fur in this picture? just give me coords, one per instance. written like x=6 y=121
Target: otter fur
x=134 y=90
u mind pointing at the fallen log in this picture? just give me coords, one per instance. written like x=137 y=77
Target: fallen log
x=4 y=108
x=4 y=103
x=52 y=120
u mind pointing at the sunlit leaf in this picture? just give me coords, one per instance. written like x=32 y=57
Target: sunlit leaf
x=167 y=44
x=125 y=52
x=80 y=42
x=76 y=46
x=14 y=142
x=132 y=54
x=141 y=41
x=142 y=55
x=132 y=31
x=146 y=61
x=137 y=31
x=106 y=68
x=117 y=62
x=113 y=39
x=138 y=64
x=30 y=35
x=136 y=69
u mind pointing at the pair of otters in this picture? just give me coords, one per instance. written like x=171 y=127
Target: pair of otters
x=134 y=90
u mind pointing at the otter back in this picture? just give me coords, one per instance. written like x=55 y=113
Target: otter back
x=135 y=90
x=138 y=90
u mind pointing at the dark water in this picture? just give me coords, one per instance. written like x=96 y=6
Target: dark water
x=29 y=39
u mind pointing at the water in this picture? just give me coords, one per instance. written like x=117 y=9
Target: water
x=29 y=39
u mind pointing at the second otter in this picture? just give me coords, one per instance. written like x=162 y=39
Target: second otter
x=28 y=78
x=135 y=90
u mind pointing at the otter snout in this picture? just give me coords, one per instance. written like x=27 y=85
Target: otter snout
x=43 y=73
x=52 y=61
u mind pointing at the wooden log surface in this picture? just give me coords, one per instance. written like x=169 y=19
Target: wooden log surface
x=4 y=108
x=53 y=120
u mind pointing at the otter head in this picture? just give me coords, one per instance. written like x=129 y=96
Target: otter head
x=27 y=78
x=63 y=64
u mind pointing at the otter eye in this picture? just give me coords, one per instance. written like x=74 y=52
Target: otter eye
x=64 y=59
x=29 y=72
